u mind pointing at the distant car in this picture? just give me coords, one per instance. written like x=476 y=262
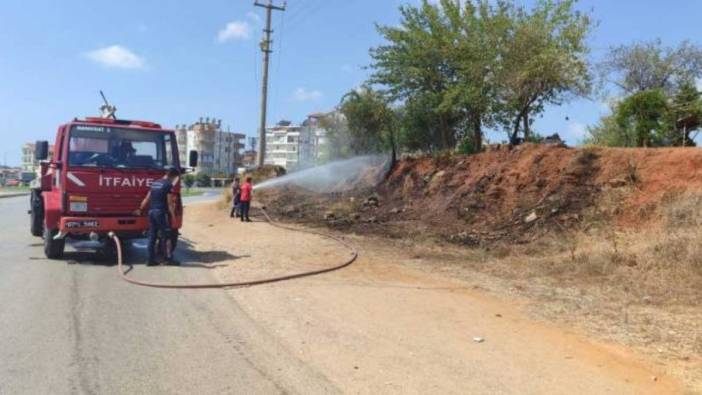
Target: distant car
x=13 y=182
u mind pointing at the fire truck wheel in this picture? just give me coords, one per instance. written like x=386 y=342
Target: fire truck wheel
x=53 y=249
x=109 y=250
x=36 y=216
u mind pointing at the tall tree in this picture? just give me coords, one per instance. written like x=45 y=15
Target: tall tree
x=434 y=57
x=481 y=63
x=543 y=60
x=651 y=65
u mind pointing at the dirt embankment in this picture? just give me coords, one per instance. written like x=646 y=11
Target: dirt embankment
x=516 y=194
x=608 y=240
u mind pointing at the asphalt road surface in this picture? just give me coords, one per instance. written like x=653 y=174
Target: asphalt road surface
x=72 y=326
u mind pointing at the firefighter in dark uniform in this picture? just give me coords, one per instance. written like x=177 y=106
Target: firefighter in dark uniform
x=161 y=203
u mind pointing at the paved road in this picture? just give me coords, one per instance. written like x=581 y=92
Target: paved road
x=207 y=195
x=73 y=326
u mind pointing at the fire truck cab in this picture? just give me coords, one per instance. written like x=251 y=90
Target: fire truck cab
x=101 y=170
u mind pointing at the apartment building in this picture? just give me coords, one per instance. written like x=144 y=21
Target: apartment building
x=297 y=147
x=219 y=151
x=289 y=146
x=248 y=160
x=29 y=164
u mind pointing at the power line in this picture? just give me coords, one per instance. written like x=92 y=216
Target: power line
x=307 y=10
x=296 y=11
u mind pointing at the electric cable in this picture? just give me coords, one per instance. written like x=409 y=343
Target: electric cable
x=345 y=263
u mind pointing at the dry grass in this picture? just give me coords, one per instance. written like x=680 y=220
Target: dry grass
x=662 y=264
x=640 y=287
x=225 y=199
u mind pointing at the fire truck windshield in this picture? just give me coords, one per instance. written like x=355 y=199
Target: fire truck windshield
x=103 y=146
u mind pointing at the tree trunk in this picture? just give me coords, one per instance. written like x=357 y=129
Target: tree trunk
x=525 y=119
x=443 y=132
x=393 y=148
x=515 y=131
x=522 y=118
x=477 y=129
x=392 y=137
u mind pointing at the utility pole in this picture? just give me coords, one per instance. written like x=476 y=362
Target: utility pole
x=266 y=49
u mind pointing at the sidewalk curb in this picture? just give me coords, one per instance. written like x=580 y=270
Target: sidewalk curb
x=10 y=195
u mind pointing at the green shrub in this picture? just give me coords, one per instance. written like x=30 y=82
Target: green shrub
x=189 y=180
x=203 y=180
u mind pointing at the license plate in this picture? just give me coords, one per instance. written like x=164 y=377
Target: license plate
x=79 y=207
x=83 y=224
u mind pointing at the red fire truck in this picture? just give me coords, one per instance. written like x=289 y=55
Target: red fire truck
x=100 y=171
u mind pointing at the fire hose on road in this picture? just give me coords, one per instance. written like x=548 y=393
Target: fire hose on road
x=347 y=262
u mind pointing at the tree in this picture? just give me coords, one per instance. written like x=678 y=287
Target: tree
x=651 y=65
x=643 y=116
x=481 y=63
x=426 y=60
x=371 y=122
x=685 y=116
x=418 y=125
x=651 y=119
x=542 y=61
x=607 y=132
x=660 y=105
x=640 y=120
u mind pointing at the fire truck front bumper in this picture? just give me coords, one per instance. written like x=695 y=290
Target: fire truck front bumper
x=86 y=225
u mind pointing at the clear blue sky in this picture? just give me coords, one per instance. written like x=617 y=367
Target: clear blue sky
x=172 y=62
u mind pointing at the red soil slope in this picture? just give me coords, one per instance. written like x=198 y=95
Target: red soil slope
x=512 y=193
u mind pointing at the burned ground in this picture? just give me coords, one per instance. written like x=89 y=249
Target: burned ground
x=507 y=194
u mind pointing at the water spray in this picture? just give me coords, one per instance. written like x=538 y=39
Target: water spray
x=335 y=176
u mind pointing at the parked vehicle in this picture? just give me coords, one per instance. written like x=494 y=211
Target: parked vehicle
x=101 y=170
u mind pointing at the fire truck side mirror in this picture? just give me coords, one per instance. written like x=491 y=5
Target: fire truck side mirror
x=192 y=160
x=41 y=150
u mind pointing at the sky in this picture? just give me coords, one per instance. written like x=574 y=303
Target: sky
x=173 y=62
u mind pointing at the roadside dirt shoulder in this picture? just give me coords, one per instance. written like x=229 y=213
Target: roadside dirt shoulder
x=382 y=325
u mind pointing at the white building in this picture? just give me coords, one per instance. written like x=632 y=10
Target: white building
x=29 y=164
x=289 y=146
x=219 y=151
x=297 y=147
